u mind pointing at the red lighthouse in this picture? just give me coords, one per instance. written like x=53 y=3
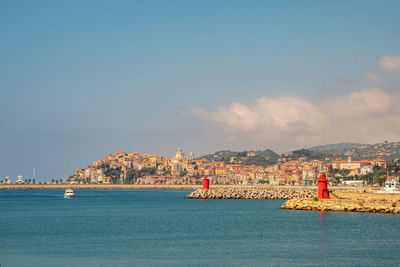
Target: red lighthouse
x=206 y=183
x=323 y=192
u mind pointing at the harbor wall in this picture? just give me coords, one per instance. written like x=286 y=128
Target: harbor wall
x=342 y=205
x=349 y=200
x=255 y=192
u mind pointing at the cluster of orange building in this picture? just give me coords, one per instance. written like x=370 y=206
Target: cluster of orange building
x=187 y=170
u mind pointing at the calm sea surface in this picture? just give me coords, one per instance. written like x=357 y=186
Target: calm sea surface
x=149 y=227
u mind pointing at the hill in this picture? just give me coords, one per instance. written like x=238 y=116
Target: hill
x=308 y=155
x=386 y=150
x=265 y=157
x=331 y=147
x=259 y=157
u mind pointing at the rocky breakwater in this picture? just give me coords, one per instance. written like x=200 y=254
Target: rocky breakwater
x=245 y=192
x=373 y=206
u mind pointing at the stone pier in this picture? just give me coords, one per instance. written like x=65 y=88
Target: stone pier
x=255 y=192
x=349 y=201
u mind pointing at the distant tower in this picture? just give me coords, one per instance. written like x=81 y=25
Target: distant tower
x=191 y=157
x=180 y=154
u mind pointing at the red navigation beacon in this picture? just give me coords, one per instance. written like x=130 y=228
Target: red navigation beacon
x=323 y=192
x=206 y=183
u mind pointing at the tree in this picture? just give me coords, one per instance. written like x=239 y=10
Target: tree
x=344 y=172
x=131 y=176
x=368 y=178
x=52 y=181
x=334 y=171
x=148 y=170
x=113 y=173
x=381 y=180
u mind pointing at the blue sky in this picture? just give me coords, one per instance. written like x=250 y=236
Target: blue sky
x=81 y=79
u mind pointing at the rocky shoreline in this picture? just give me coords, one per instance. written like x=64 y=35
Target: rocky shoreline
x=349 y=200
x=261 y=192
x=342 y=205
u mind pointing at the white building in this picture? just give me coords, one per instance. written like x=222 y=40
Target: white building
x=7 y=180
x=19 y=181
x=365 y=170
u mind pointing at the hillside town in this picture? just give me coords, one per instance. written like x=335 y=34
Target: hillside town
x=135 y=168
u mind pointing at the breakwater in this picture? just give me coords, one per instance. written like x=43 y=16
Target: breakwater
x=254 y=192
x=343 y=205
x=349 y=200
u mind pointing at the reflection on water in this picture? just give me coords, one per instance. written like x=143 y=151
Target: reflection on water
x=323 y=237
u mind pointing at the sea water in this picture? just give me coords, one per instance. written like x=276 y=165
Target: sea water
x=162 y=228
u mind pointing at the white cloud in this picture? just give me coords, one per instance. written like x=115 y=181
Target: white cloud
x=364 y=103
x=285 y=113
x=390 y=63
x=289 y=122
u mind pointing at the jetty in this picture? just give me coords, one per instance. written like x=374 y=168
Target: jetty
x=254 y=192
x=350 y=200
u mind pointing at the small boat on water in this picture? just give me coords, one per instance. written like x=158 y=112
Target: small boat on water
x=69 y=193
x=391 y=187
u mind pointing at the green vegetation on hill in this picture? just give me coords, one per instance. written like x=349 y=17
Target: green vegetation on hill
x=259 y=157
x=226 y=155
x=309 y=155
x=258 y=161
x=386 y=150
x=335 y=146
x=132 y=175
x=264 y=158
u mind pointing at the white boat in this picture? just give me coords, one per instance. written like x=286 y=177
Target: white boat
x=391 y=187
x=69 y=193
